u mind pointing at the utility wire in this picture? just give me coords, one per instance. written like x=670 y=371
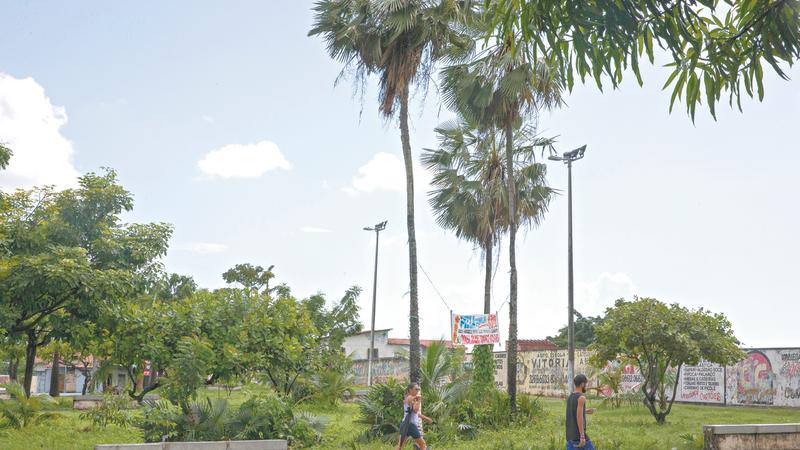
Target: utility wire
x=434 y=288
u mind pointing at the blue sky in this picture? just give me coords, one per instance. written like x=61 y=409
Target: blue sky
x=174 y=94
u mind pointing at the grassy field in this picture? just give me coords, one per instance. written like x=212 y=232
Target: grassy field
x=625 y=428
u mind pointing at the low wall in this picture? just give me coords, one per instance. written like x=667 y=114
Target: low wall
x=382 y=370
x=84 y=402
x=220 y=445
x=752 y=437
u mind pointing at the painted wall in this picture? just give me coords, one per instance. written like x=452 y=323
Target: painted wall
x=382 y=370
x=544 y=372
x=500 y=368
x=766 y=377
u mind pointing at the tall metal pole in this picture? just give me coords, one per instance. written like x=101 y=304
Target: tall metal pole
x=570 y=287
x=377 y=229
x=374 y=297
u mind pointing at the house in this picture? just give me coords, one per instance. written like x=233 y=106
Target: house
x=357 y=346
x=526 y=345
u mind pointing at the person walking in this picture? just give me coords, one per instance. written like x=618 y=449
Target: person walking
x=576 y=416
x=411 y=426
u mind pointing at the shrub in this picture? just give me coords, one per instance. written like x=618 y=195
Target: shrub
x=331 y=385
x=382 y=408
x=111 y=411
x=23 y=411
x=264 y=416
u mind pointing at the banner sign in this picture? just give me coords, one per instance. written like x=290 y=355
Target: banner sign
x=476 y=329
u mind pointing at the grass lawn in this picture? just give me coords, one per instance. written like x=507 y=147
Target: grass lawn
x=627 y=428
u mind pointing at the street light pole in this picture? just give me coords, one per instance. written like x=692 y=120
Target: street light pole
x=568 y=158
x=377 y=229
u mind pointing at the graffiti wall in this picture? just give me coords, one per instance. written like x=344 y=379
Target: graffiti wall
x=500 y=368
x=703 y=383
x=544 y=372
x=767 y=377
x=382 y=370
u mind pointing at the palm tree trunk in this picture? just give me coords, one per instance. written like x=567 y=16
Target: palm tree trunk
x=413 y=315
x=487 y=284
x=512 y=241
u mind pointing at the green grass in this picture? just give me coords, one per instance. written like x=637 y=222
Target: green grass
x=627 y=428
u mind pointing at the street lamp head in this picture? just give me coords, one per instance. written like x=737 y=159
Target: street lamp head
x=575 y=154
x=555 y=158
x=379 y=227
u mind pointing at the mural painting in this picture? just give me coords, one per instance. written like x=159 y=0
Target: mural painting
x=752 y=381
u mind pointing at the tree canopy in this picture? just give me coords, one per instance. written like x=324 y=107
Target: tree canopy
x=660 y=338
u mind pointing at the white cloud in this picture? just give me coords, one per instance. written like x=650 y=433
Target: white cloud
x=591 y=298
x=30 y=126
x=386 y=172
x=315 y=230
x=203 y=248
x=208 y=119
x=243 y=161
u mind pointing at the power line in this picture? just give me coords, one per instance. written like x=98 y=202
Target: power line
x=434 y=287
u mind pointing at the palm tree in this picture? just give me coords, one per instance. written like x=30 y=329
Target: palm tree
x=470 y=196
x=502 y=88
x=400 y=41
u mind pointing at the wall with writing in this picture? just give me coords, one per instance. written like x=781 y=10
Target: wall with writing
x=766 y=377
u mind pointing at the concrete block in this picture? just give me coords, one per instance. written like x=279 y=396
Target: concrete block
x=275 y=444
x=219 y=445
x=154 y=446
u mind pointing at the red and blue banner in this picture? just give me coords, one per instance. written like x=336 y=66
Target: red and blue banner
x=475 y=329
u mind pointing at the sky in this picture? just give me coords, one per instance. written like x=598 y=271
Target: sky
x=223 y=119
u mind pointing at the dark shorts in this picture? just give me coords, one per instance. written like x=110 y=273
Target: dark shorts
x=573 y=445
x=411 y=430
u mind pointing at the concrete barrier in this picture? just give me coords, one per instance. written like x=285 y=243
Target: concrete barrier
x=275 y=444
x=752 y=437
x=84 y=402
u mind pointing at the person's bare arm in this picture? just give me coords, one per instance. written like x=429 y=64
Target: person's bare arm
x=581 y=424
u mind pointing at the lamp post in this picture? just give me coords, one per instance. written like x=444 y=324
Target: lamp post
x=568 y=158
x=377 y=229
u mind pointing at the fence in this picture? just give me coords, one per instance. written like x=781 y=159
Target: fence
x=765 y=377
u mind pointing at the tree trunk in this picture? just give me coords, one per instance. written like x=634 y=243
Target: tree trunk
x=30 y=360
x=87 y=378
x=413 y=315
x=54 y=391
x=512 y=241
x=13 y=365
x=487 y=284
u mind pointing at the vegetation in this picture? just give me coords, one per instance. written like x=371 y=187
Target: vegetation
x=660 y=337
x=584 y=331
x=400 y=42
x=25 y=411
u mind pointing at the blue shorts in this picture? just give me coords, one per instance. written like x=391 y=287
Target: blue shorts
x=573 y=445
x=411 y=430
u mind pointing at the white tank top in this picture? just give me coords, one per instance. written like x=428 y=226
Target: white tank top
x=407 y=409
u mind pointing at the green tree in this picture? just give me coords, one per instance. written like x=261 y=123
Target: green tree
x=67 y=257
x=660 y=338
x=502 y=89
x=5 y=156
x=250 y=276
x=714 y=46
x=584 y=331
x=400 y=41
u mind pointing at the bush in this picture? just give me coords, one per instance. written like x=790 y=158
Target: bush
x=111 y=411
x=382 y=408
x=331 y=385
x=23 y=411
x=264 y=416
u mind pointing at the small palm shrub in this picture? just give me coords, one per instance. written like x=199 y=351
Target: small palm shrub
x=265 y=416
x=23 y=411
x=382 y=409
x=331 y=385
